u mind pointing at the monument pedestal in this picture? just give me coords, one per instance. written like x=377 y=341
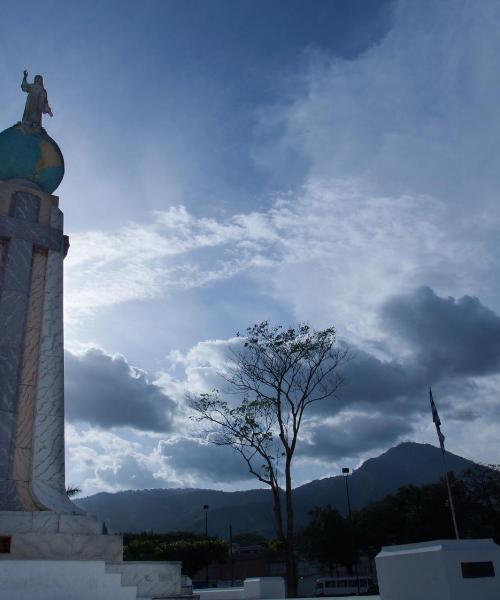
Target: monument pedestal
x=440 y=570
x=61 y=580
x=49 y=535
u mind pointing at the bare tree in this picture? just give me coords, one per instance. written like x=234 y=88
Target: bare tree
x=275 y=375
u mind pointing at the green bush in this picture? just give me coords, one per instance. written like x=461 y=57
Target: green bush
x=194 y=554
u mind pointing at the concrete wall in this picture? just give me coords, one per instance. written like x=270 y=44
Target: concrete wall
x=264 y=587
x=255 y=588
x=433 y=571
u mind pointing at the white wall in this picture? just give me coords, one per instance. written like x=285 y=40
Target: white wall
x=221 y=594
x=432 y=571
x=255 y=588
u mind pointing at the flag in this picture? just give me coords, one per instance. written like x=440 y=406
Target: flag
x=437 y=420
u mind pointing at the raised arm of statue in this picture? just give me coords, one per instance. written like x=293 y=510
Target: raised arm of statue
x=25 y=86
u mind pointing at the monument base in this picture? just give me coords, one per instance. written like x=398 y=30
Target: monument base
x=440 y=570
x=61 y=580
x=53 y=536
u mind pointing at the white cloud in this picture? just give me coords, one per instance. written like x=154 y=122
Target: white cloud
x=330 y=253
x=415 y=114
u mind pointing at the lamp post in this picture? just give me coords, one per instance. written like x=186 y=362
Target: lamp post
x=345 y=473
x=231 y=553
x=205 y=508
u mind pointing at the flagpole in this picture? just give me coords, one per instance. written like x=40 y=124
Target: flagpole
x=437 y=422
x=452 y=506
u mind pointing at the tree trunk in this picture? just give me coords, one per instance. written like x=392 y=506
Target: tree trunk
x=291 y=565
x=278 y=520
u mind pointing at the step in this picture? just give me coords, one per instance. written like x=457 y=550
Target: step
x=61 y=580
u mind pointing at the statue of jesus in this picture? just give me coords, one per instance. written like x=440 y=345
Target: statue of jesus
x=36 y=103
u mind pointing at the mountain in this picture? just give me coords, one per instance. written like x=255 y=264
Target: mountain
x=182 y=509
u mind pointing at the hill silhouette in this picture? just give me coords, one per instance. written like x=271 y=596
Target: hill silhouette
x=163 y=510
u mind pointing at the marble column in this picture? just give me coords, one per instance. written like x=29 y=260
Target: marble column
x=32 y=250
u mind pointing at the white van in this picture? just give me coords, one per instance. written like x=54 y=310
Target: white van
x=342 y=586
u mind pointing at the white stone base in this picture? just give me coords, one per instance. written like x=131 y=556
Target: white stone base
x=151 y=578
x=47 y=521
x=61 y=580
x=47 y=535
x=64 y=546
x=435 y=571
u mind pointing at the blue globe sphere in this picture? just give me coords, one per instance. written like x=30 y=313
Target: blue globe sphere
x=31 y=155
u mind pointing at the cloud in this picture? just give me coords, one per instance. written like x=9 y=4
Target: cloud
x=202 y=460
x=397 y=154
x=449 y=336
x=129 y=473
x=409 y=112
x=99 y=459
x=393 y=389
x=434 y=339
x=377 y=383
x=442 y=341
x=172 y=253
x=199 y=369
x=384 y=401
x=352 y=435
x=412 y=126
x=353 y=249
x=106 y=391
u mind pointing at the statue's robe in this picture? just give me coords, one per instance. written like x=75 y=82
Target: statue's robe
x=36 y=103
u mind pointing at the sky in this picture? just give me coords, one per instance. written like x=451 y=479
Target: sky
x=334 y=162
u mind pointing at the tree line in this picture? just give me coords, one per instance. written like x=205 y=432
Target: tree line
x=411 y=514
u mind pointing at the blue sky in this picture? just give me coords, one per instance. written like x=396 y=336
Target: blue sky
x=229 y=161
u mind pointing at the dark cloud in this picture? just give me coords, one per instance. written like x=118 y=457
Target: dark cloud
x=204 y=460
x=450 y=336
x=353 y=436
x=371 y=383
x=369 y=380
x=106 y=391
x=451 y=340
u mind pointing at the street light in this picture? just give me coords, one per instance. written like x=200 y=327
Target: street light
x=231 y=553
x=345 y=473
x=205 y=508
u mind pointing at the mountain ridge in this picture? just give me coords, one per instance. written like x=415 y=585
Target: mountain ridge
x=251 y=510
